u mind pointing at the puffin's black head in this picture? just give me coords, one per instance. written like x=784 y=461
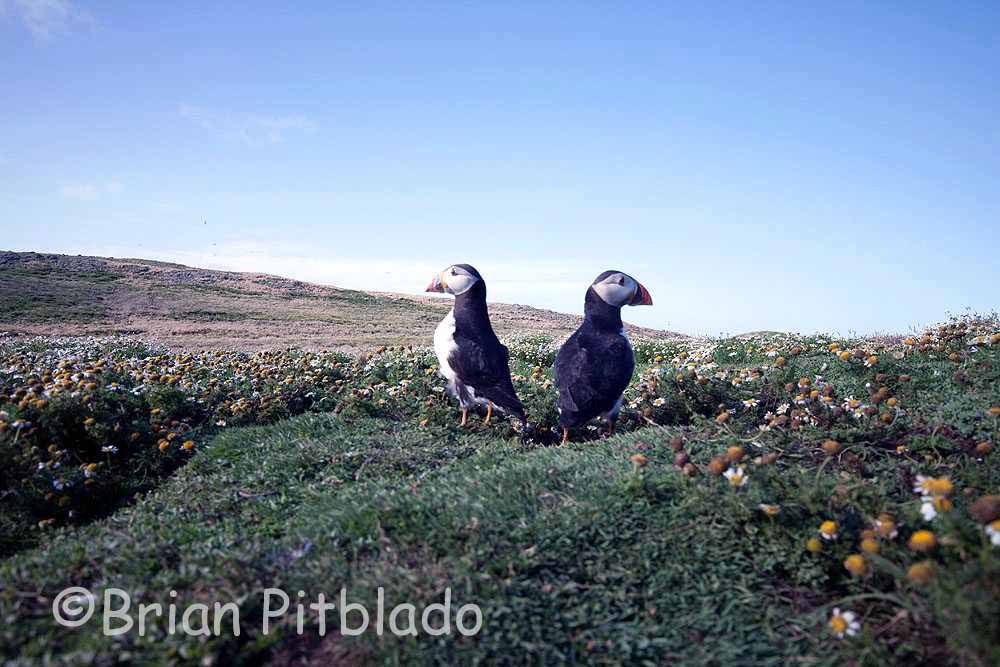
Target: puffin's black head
x=618 y=289
x=456 y=279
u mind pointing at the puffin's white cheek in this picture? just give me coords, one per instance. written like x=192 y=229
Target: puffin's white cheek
x=460 y=283
x=614 y=294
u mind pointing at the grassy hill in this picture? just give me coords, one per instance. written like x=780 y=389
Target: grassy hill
x=568 y=558
x=189 y=308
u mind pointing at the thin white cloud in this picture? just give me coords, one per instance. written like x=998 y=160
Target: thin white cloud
x=509 y=282
x=80 y=192
x=388 y=275
x=45 y=18
x=254 y=129
x=90 y=192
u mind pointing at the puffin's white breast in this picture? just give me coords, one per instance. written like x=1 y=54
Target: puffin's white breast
x=444 y=344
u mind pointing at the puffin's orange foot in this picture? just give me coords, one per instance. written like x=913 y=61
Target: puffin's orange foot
x=465 y=419
x=611 y=429
x=489 y=414
x=565 y=438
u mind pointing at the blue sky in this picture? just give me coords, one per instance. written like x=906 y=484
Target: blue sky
x=755 y=165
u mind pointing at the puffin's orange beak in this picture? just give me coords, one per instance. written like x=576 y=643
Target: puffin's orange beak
x=641 y=297
x=435 y=285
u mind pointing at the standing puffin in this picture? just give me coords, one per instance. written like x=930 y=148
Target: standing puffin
x=594 y=366
x=470 y=355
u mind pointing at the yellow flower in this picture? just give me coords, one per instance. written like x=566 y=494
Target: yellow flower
x=831 y=447
x=188 y=445
x=869 y=546
x=828 y=530
x=942 y=504
x=922 y=540
x=933 y=486
x=920 y=573
x=940 y=487
x=718 y=465
x=856 y=565
x=814 y=545
x=770 y=510
x=89 y=421
x=164 y=445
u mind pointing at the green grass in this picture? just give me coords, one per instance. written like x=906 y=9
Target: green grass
x=203 y=315
x=583 y=554
x=41 y=295
x=41 y=308
x=565 y=554
x=572 y=553
x=50 y=273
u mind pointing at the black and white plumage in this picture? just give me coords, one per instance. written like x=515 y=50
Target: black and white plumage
x=595 y=365
x=471 y=357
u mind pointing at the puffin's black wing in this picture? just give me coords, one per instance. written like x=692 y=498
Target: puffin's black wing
x=484 y=366
x=592 y=372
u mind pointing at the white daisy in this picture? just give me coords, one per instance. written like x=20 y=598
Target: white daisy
x=993 y=531
x=920 y=486
x=844 y=623
x=736 y=476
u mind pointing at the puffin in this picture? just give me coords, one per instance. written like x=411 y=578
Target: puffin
x=470 y=356
x=595 y=364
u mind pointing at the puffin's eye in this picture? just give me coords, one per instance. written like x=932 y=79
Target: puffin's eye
x=453 y=272
x=621 y=280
